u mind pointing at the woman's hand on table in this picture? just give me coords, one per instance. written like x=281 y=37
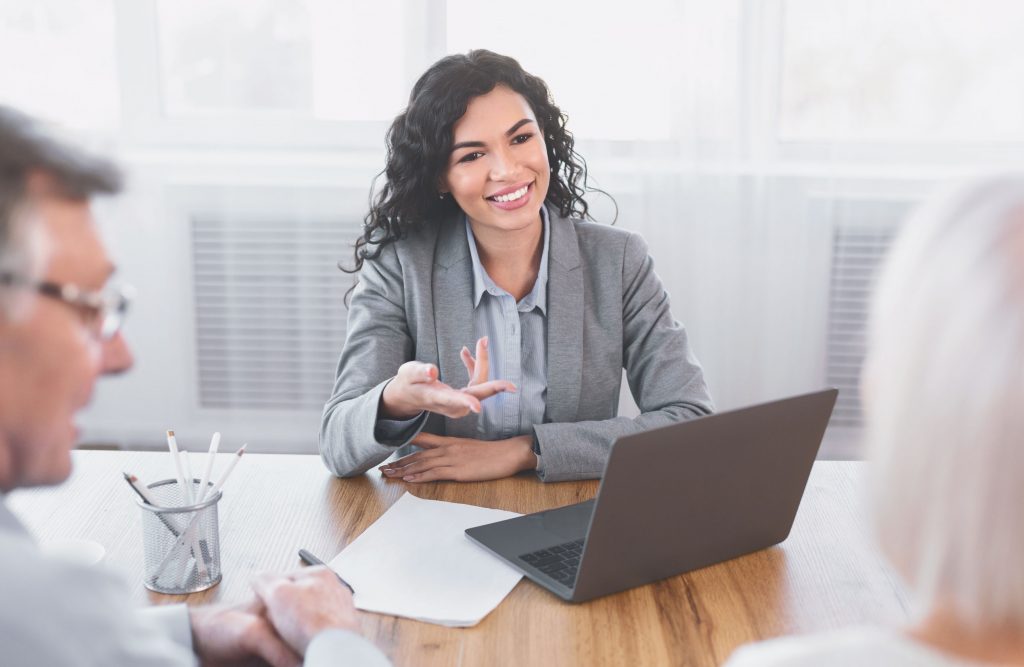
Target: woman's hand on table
x=463 y=459
x=416 y=388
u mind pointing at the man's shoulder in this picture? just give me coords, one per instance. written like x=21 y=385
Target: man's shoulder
x=27 y=574
x=43 y=596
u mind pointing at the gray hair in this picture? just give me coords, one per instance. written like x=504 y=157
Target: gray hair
x=27 y=147
x=944 y=403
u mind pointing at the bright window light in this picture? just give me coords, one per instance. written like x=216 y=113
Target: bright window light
x=616 y=73
x=914 y=70
x=59 y=61
x=321 y=59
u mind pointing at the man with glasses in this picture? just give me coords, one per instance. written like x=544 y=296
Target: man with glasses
x=60 y=326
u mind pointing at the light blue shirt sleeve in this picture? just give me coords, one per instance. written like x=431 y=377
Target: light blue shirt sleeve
x=173 y=619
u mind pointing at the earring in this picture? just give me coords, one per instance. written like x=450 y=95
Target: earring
x=441 y=195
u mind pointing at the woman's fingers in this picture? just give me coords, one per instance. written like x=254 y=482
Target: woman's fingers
x=433 y=475
x=488 y=389
x=417 y=372
x=415 y=467
x=398 y=465
x=421 y=390
x=449 y=402
x=467 y=361
x=479 y=374
x=477 y=367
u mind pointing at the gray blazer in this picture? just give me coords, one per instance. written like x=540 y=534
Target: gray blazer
x=607 y=310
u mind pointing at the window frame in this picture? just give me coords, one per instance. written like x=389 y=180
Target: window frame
x=144 y=122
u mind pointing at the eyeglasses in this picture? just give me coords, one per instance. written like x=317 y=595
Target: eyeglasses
x=105 y=309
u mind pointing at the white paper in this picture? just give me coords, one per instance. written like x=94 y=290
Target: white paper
x=416 y=561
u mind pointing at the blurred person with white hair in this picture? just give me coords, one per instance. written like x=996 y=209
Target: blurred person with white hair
x=60 y=329
x=943 y=390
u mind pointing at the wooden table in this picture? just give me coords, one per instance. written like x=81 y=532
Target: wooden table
x=825 y=576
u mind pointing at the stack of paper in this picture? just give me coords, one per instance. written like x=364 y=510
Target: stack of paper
x=416 y=561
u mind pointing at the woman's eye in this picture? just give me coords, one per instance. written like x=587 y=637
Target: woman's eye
x=522 y=138
x=469 y=157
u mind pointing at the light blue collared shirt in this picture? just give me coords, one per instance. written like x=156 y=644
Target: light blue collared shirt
x=517 y=342
x=517 y=345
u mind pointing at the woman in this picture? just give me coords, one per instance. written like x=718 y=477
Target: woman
x=477 y=241
x=943 y=396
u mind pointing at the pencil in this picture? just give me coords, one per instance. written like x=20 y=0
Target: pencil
x=310 y=559
x=143 y=493
x=210 y=456
x=172 y=444
x=231 y=466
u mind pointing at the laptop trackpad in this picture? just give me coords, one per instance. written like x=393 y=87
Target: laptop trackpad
x=567 y=523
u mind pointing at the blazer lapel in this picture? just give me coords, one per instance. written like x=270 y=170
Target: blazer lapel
x=453 y=313
x=565 y=322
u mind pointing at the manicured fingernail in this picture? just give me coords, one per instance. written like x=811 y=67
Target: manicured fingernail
x=409 y=478
x=485 y=341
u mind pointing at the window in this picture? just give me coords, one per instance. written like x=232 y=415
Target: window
x=909 y=71
x=621 y=75
x=59 y=60
x=306 y=58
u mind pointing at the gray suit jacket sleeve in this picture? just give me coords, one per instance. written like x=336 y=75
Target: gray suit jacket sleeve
x=378 y=342
x=663 y=374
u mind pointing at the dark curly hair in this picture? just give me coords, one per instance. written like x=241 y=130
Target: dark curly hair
x=419 y=144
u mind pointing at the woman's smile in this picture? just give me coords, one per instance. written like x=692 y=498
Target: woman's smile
x=511 y=198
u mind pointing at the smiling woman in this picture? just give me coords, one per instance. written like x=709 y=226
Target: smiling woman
x=478 y=240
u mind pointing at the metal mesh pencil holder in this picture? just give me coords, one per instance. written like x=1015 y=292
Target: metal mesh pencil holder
x=181 y=543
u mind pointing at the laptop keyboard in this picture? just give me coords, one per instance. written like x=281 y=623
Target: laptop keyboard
x=560 y=562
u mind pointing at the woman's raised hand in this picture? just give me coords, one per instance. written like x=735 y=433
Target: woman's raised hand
x=416 y=388
x=476 y=367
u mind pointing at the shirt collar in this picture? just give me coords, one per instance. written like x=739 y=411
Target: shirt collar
x=538 y=296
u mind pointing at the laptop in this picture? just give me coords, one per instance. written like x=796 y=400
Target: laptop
x=673 y=499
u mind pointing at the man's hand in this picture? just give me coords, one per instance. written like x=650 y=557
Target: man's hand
x=230 y=635
x=304 y=603
x=416 y=388
x=463 y=459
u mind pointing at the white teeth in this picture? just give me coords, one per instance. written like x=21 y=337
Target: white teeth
x=512 y=196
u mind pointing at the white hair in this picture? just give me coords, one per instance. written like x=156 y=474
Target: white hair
x=27 y=146
x=944 y=403
x=25 y=253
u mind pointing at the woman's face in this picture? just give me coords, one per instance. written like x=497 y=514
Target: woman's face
x=498 y=169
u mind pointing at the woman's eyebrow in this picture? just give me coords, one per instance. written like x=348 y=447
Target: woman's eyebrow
x=478 y=144
x=510 y=131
